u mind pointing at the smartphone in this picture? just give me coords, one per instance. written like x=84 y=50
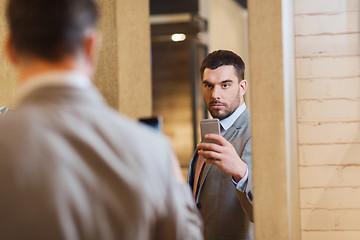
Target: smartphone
x=155 y=122
x=209 y=126
x=3 y=110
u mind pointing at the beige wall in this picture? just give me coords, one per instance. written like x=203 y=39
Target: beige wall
x=7 y=73
x=228 y=29
x=328 y=97
x=275 y=164
x=123 y=74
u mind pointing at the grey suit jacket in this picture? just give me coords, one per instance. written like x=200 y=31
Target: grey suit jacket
x=226 y=211
x=72 y=168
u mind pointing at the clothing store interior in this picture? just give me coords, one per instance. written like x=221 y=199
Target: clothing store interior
x=302 y=73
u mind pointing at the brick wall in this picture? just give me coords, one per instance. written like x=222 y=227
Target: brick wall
x=327 y=37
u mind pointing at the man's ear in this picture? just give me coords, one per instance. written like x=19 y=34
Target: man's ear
x=243 y=87
x=10 y=51
x=92 y=44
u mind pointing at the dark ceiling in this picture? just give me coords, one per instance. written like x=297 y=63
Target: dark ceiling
x=180 y=6
x=173 y=6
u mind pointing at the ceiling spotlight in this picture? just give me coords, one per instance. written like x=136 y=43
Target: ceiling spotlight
x=178 y=37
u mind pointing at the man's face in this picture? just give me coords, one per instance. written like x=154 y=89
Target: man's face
x=222 y=91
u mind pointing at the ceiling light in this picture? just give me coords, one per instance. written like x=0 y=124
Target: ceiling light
x=178 y=37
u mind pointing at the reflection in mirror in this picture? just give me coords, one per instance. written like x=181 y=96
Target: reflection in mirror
x=177 y=51
x=183 y=33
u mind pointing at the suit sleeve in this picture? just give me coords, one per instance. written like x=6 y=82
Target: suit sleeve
x=246 y=197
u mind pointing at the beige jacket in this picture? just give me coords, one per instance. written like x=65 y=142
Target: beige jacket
x=72 y=168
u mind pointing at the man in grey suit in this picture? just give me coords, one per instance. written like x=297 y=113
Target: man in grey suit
x=220 y=172
x=71 y=167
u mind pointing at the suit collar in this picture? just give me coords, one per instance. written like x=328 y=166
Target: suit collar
x=229 y=121
x=231 y=132
x=63 y=95
x=73 y=79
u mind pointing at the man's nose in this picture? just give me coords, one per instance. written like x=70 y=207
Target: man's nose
x=215 y=94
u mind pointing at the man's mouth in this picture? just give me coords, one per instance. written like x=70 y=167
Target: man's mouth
x=216 y=105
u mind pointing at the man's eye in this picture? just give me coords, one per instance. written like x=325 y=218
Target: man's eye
x=225 y=85
x=208 y=86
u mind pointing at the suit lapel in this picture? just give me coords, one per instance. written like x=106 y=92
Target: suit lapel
x=203 y=177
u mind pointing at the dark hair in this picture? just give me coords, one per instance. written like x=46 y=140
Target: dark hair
x=50 y=29
x=221 y=58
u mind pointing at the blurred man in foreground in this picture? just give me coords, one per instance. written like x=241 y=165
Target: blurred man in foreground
x=70 y=167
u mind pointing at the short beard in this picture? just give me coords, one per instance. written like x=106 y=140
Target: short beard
x=227 y=112
x=216 y=114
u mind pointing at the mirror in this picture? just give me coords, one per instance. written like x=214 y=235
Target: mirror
x=202 y=27
x=182 y=34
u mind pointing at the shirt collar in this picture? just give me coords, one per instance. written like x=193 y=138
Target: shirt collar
x=226 y=123
x=54 y=79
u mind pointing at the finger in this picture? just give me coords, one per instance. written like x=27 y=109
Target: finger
x=212 y=161
x=210 y=154
x=209 y=146
x=216 y=137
